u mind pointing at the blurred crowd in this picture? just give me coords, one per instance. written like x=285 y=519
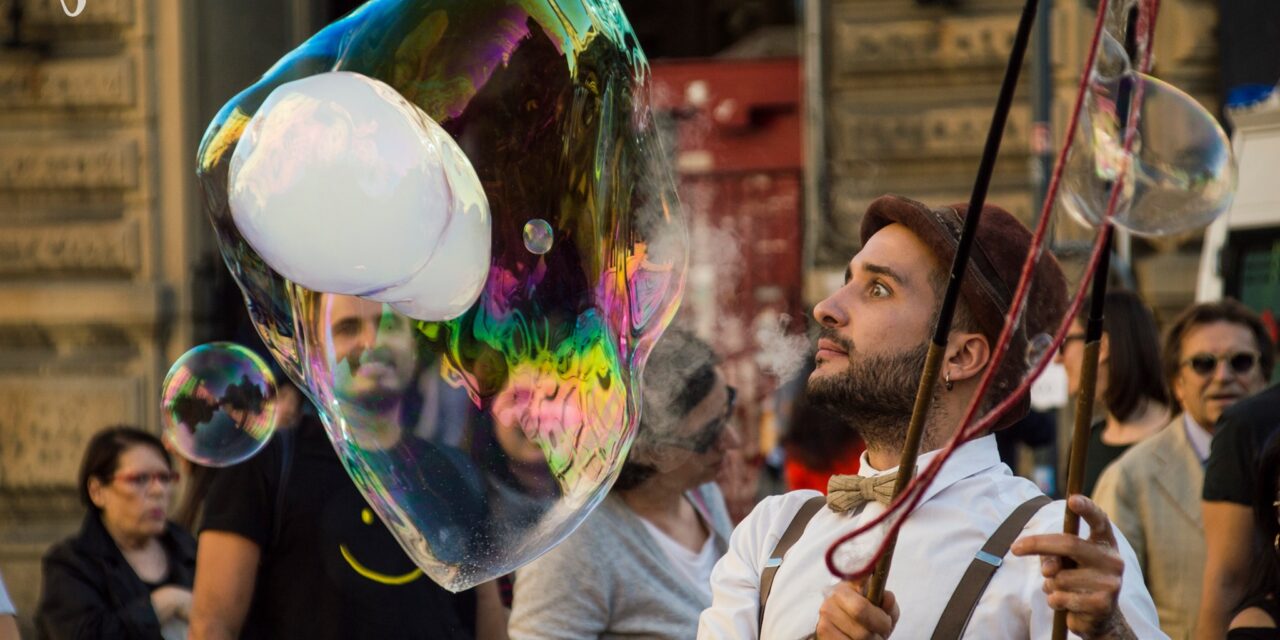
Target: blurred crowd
x=1183 y=463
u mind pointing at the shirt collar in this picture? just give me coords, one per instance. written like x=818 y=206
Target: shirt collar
x=970 y=458
x=1200 y=438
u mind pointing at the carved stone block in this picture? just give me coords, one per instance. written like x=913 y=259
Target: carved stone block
x=946 y=43
x=101 y=164
x=94 y=248
x=932 y=133
x=96 y=82
x=862 y=46
x=45 y=422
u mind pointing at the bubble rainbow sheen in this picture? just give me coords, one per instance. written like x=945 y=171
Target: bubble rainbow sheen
x=482 y=441
x=218 y=406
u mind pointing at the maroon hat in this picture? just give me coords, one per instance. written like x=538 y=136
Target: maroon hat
x=995 y=265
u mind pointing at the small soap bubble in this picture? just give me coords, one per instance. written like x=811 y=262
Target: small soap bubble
x=538 y=236
x=219 y=404
x=1179 y=175
x=1038 y=348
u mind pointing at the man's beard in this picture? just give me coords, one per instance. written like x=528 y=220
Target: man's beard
x=875 y=394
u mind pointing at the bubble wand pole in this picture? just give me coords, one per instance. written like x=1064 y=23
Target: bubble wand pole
x=1084 y=406
x=942 y=325
x=1125 y=108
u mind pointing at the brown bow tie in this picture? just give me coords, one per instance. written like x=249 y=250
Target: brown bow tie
x=845 y=493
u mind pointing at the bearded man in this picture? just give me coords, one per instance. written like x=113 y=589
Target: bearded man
x=951 y=576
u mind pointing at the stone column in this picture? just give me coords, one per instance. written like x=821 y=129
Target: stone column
x=99 y=228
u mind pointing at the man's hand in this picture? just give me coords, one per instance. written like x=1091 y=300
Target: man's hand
x=846 y=613
x=1089 y=592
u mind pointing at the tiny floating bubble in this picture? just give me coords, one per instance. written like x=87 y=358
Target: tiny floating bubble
x=1038 y=348
x=538 y=236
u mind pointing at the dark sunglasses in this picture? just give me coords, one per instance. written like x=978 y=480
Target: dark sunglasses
x=1205 y=364
x=142 y=480
x=707 y=435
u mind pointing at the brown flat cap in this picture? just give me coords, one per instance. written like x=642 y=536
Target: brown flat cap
x=995 y=264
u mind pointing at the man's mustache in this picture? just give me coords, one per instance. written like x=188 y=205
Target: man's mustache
x=381 y=355
x=829 y=333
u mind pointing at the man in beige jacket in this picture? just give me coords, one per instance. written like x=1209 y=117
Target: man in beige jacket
x=1152 y=492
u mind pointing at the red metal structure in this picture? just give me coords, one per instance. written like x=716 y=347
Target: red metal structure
x=739 y=161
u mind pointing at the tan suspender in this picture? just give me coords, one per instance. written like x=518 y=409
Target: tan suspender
x=789 y=537
x=976 y=578
x=956 y=615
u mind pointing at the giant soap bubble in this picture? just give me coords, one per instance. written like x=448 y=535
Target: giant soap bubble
x=1179 y=174
x=484 y=437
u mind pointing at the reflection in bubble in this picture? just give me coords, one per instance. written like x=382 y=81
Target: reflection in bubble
x=343 y=186
x=218 y=406
x=484 y=439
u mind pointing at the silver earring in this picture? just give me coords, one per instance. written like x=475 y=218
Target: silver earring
x=947 y=381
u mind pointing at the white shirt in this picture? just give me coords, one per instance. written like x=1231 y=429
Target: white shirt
x=1201 y=440
x=972 y=495
x=695 y=566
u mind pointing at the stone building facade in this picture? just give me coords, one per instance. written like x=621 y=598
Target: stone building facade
x=909 y=90
x=105 y=256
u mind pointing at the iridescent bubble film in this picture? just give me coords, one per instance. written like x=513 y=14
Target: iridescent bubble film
x=1179 y=174
x=480 y=438
x=538 y=236
x=219 y=404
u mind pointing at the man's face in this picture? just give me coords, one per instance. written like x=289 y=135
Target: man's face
x=1205 y=395
x=875 y=332
x=372 y=351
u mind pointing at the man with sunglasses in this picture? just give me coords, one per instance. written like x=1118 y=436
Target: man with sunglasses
x=1215 y=354
x=1231 y=478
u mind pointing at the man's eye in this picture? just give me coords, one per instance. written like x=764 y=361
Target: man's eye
x=346 y=328
x=878 y=290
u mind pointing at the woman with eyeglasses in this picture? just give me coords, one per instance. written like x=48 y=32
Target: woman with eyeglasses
x=128 y=572
x=1130 y=388
x=640 y=565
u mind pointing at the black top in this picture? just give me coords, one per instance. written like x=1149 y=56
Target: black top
x=90 y=591
x=1239 y=438
x=329 y=568
x=1272 y=608
x=1100 y=456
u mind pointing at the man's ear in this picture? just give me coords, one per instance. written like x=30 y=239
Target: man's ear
x=967 y=355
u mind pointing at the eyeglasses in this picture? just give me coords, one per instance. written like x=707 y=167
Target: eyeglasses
x=1068 y=339
x=143 y=479
x=707 y=435
x=1241 y=362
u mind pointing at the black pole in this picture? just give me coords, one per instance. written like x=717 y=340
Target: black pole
x=1042 y=109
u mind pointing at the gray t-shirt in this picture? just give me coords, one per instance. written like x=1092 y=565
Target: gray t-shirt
x=6 y=604
x=611 y=579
